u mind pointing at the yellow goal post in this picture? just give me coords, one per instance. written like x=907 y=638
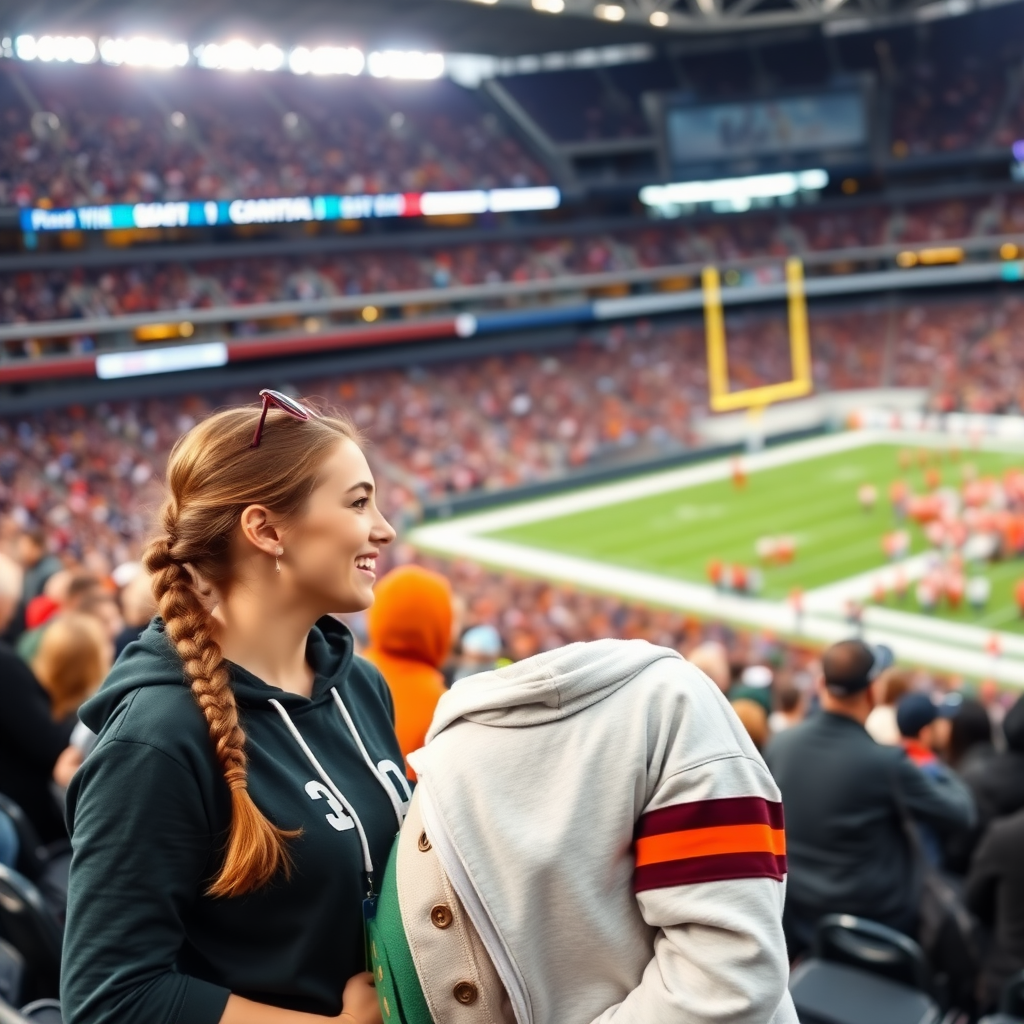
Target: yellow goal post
x=801 y=382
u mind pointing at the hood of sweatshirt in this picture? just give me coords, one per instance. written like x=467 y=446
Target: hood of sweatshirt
x=411 y=615
x=153 y=661
x=548 y=686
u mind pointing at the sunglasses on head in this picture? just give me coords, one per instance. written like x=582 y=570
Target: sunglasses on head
x=285 y=404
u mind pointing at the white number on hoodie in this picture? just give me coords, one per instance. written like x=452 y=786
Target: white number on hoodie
x=391 y=773
x=339 y=820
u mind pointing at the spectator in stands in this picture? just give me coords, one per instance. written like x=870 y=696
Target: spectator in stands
x=137 y=608
x=755 y=720
x=73 y=658
x=712 y=659
x=846 y=846
x=410 y=631
x=37 y=565
x=995 y=893
x=32 y=745
x=479 y=651
x=755 y=683
x=790 y=707
x=888 y=688
x=998 y=782
x=970 y=736
x=65 y=591
x=177 y=813
x=917 y=715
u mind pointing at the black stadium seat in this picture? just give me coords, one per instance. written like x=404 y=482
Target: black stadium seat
x=28 y=925
x=43 y=1011
x=45 y=864
x=861 y=972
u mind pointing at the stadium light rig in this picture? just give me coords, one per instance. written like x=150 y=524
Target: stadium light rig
x=141 y=52
x=401 y=64
x=736 y=194
x=77 y=49
x=239 y=55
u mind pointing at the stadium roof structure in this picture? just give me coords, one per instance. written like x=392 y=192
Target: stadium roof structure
x=498 y=27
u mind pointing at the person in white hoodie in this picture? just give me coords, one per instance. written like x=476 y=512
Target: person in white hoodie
x=594 y=840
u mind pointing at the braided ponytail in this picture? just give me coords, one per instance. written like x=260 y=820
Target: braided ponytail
x=256 y=848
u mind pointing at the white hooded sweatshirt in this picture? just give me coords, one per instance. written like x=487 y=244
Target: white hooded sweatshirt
x=615 y=838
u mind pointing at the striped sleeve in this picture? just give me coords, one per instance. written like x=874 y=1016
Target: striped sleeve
x=710 y=841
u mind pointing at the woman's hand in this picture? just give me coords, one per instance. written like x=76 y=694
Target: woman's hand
x=359 y=1003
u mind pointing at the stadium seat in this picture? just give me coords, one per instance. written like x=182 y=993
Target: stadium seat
x=45 y=865
x=872 y=947
x=29 y=926
x=12 y=973
x=862 y=972
x=43 y=1011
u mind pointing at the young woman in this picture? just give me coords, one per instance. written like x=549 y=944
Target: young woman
x=247 y=784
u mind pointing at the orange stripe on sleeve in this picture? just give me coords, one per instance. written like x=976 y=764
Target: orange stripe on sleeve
x=706 y=842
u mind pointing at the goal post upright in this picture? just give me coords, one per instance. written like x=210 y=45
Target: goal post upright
x=800 y=383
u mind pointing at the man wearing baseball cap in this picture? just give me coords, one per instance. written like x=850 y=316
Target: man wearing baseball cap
x=847 y=846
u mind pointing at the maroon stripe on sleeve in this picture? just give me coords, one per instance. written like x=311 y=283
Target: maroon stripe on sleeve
x=738 y=810
x=718 y=868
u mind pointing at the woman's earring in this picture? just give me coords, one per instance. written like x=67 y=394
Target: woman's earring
x=277 y=558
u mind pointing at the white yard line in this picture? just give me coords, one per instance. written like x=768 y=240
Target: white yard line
x=953 y=647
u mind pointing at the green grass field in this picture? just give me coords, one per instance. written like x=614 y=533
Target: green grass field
x=676 y=534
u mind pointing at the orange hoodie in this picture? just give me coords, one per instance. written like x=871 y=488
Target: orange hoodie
x=410 y=629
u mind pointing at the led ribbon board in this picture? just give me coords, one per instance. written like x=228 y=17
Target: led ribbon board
x=721 y=398
x=290 y=209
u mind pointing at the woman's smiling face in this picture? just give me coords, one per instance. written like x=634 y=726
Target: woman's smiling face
x=330 y=551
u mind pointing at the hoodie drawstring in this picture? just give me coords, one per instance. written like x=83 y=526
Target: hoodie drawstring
x=396 y=803
x=329 y=783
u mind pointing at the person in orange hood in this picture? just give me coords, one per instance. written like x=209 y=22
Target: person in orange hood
x=410 y=632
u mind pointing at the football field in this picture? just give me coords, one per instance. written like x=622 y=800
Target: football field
x=654 y=537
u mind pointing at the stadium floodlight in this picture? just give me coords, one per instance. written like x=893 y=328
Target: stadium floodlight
x=238 y=55
x=401 y=64
x=659 y=19
x=78 y=49
x=326 y=60
x=141 y=52
x=549 y=6
x=610 y=12
x=736 y=193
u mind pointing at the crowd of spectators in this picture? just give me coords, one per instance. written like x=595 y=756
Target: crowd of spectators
x=621 y=393
x=112 y=291
x=83 y=135
x=89 y=135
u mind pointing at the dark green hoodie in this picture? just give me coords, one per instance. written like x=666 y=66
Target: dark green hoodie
x=149 y=812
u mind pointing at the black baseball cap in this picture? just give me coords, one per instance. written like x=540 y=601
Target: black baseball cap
x=851 y=666
x=916 y=710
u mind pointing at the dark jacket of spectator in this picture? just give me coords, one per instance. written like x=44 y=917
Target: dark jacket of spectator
x=30 y=743
x=995 y=892
x=997 y=782
x=846 y=843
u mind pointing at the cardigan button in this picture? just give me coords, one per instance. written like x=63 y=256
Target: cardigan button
x=465 y=993
x=424 y=843
x=441 y=916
